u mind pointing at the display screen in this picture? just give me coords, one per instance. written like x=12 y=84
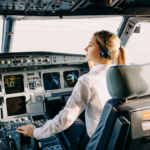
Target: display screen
x=30 y=74
x=16 y=106
x=51 y=81
x=70 y=78
x=36 y=118
x=14 y=84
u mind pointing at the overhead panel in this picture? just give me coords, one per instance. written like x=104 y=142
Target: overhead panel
x=36 y=5
x=74 y=8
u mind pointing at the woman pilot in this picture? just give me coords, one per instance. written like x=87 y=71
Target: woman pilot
x=90 y=93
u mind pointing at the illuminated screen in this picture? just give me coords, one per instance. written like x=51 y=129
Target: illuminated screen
x=70 y=78
x=16 y=106
x=51 y=81
x=14 y=84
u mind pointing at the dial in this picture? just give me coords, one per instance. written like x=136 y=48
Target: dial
x=39 y=98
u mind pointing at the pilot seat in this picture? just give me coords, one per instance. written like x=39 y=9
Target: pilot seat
x=125 y=120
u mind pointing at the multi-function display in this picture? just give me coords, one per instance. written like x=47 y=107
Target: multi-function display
x=16 y=106
x=70 y=78
x=14 y=84
x=51 y=81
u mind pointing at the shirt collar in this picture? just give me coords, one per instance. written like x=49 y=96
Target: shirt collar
x=100 y=67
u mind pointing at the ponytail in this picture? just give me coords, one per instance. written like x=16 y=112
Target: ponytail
x=122 y=57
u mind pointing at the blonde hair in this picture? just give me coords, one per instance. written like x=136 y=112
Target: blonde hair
x=118 y=52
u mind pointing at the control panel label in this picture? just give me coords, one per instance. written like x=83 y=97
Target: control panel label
x=146 y=115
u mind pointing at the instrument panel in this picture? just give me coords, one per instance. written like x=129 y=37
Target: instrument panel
x=26 y=81
x=21 y=89
x=38 y=60
x=24 y=91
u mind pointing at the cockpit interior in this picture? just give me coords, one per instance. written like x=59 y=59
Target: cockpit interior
x=35 y=86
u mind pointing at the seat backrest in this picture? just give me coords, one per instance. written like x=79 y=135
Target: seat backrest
x=129 y=87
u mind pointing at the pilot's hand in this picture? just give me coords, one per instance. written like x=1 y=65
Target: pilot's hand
x=27 y=130
x=91 y=64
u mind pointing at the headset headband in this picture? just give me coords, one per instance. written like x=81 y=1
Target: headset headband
x=105 y=42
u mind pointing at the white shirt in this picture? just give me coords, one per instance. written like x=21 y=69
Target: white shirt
x=90 y=93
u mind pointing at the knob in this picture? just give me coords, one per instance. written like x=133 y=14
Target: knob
x=35 y=60
x=27 y=60
x=14 y=121
x=8 y=121
x=40 y=59
x=2 y=62
x=8 y=61
x=19 y=120
x=21 y=60
x=1 y=143
x=53 y=10
x=25 y=119
x=47 y=59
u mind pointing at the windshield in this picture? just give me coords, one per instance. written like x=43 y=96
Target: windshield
x=64 y=35
x=1 y=31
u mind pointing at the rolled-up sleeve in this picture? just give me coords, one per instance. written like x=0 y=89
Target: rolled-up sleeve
x=75 y=105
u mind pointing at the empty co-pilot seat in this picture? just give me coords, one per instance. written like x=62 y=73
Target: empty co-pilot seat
x=125 y=120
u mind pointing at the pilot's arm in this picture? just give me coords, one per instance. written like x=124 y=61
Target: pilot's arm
x=75 y=105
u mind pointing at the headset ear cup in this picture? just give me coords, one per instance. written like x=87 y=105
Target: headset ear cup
x=102 y=53
x=108 y=53
x=105 y=53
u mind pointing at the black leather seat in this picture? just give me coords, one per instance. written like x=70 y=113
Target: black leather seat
x=125 y=120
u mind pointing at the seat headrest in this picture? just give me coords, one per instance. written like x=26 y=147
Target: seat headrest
x=126 y=81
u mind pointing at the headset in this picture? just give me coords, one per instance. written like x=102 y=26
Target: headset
x=105 y=52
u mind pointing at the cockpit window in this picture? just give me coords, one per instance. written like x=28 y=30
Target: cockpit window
x=64 y=35
x=1 y=30
x=138 y=45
